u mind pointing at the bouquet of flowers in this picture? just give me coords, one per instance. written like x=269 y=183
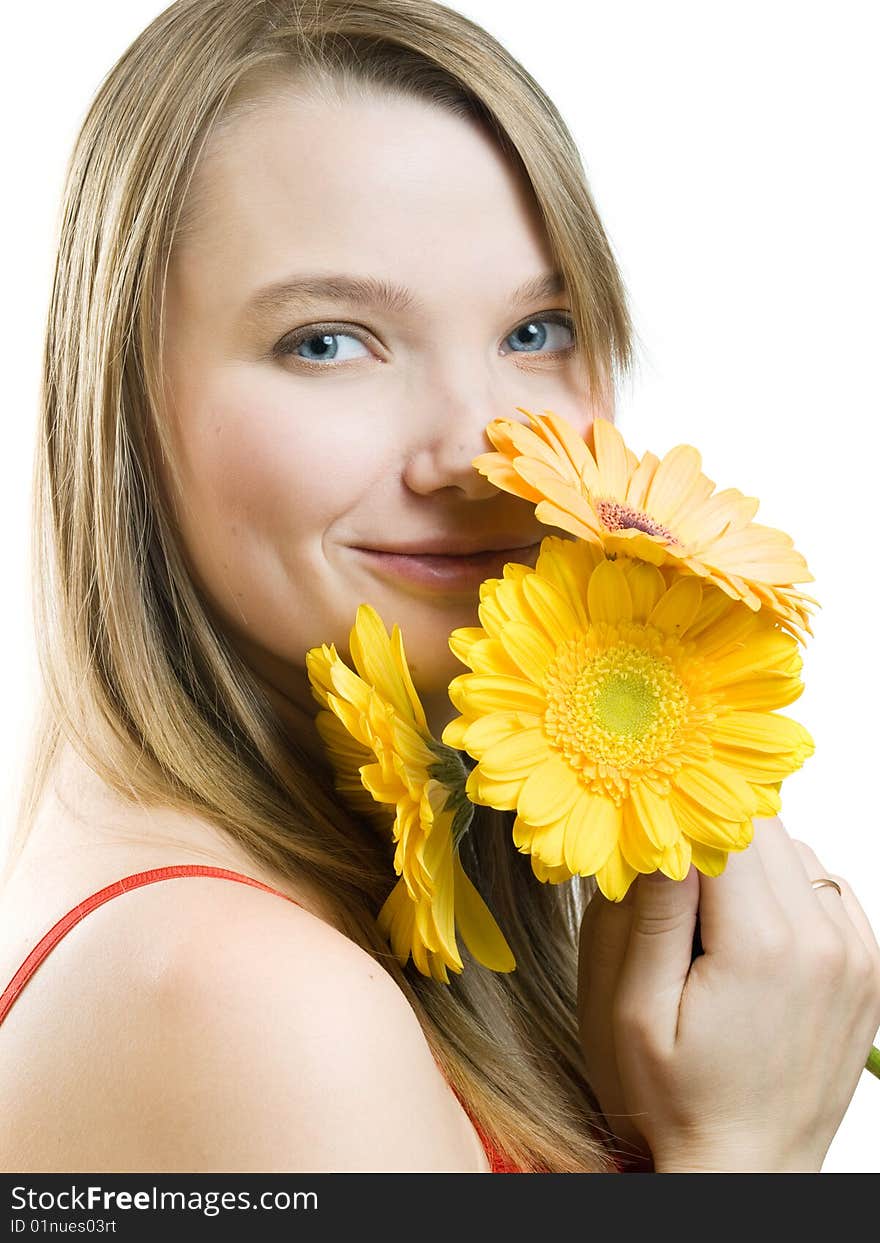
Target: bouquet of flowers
x=621 y=696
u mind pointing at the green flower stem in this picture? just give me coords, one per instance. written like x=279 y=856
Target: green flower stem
x=873 y=1062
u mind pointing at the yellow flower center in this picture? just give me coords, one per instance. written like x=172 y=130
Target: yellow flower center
x=622 y=701
x=619 y=517
x=623 y=705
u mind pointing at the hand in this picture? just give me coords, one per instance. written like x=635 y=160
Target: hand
x=747 y=1057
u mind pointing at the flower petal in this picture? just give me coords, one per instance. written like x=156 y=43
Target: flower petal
x=398 y=656
x=492 y=791
x=768 y=801
x=591 y=833
x=678 y=607
x=485 y=656
x=763 y=692
x=640 y=481
x=514 y=757
x=572 y=447
x=566 y=493
x=499 y=470
x=486 y=731
x=724 y=510
x=673 y=480
x=646 y=587
x=611 y=458
x=615 y=876
x=463 y=639
x=638 y=850
x=478 y=928
x=549 y=875
x=524 y=441
x=585 y=527
x=549 y=792
x=545 y=841
x=655 y=815
x=480 y=693
x=716 y=611
x=719 y=789
x=454 y=732
x=631 y=542
x=762 y=653
x=550 y=608
x=529 y=649
x=707 y=859
x=568 y=564
x=761 y=731
x=711 y=830
x=676 y=862
x=371 y=651
x=608 y=594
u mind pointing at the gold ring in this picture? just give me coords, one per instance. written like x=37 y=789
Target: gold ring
x=826 y=880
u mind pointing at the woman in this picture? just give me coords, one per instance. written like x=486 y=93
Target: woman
x=308 y=251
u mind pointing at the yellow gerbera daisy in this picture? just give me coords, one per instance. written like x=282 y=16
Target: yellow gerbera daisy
x=376 y=733
x=625 y=714
x=660 y=511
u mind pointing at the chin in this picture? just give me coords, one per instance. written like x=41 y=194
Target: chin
x=433 y=673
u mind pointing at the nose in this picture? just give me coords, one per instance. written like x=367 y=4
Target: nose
x=450 y=435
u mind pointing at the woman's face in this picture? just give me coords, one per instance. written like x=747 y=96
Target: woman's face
x=312 y=425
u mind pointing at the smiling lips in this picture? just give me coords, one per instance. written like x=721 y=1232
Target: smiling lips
x=448 y=546
x=448 y=570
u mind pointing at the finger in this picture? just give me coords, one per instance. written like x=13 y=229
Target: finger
x=844 y=907
x=788 y=877
x=738 y=909
x=833 y=902
x=658 y=956
x=604 y=935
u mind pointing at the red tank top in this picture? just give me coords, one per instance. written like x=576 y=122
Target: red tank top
x=497 y=1161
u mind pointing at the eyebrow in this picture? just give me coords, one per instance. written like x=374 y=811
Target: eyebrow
x=372 y=293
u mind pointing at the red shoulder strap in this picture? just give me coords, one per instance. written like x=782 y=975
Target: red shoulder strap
x=499 y=1163
x=79 y=912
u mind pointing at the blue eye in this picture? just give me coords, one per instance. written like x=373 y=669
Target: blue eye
x=320 y=339
x=535 y=334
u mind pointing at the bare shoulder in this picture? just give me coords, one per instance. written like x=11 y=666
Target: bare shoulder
x=203 y=1024
x=248 y=1035
x=285 y=1047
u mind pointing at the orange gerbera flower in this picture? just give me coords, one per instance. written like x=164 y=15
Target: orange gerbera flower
x=657 y=510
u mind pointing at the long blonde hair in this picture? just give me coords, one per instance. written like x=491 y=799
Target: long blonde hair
x=135 y=671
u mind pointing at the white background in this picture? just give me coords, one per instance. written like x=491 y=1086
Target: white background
x=732 y=153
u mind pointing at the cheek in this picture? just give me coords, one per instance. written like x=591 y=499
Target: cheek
x=264 y=482
x=267 y=465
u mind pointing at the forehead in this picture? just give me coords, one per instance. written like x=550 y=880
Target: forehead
x=373 y=183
